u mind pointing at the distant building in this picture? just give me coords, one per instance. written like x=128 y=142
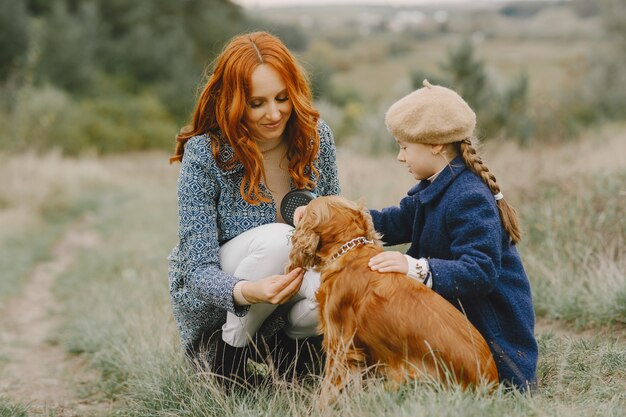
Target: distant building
x=405 y=19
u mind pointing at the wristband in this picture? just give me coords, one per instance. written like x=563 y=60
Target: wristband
x=419 y=270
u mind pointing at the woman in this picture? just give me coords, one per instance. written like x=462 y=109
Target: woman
x=254 y=136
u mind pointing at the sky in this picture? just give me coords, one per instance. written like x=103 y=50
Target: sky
x=270 y=3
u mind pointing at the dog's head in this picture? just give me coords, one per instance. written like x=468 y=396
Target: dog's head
x=327 y=223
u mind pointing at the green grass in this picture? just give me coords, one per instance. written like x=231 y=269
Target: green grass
x=574 y=249
x=35 y=211
x=19 y=253
x=577 y=378
x=389 y=79
x=9 y=408
x=118 y=313
x=594 y=369
x=116 y=309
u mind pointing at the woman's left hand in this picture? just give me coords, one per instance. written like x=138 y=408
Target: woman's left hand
x=389 y=262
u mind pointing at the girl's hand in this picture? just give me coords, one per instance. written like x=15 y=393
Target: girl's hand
x=297 y=215
x=275 y=289
x=389 y=262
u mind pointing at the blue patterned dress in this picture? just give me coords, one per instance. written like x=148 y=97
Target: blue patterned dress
x=212 y=211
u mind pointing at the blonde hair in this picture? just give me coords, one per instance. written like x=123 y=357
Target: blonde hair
x=508 y=214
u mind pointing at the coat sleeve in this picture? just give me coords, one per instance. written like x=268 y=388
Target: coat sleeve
x=328 y=181
x=198 y=245
x=396 y=223
x=473 y=223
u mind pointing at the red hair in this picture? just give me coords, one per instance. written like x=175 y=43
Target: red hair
x=222 y=104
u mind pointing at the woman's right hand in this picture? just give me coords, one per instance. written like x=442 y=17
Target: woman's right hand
x=275 y=289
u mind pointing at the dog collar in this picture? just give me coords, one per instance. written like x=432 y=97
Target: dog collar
x=349 y=245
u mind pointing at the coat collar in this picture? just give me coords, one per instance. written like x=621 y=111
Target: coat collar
x=427 y=192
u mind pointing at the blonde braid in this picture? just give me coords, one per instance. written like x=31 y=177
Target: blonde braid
x=508 y=215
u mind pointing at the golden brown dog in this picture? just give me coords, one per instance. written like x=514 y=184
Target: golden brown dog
x=386 y=321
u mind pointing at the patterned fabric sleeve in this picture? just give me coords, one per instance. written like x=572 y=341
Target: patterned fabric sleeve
x=198 y=246
x=328 y=182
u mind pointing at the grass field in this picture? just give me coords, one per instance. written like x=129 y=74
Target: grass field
x=111 y=308
x=552 y=47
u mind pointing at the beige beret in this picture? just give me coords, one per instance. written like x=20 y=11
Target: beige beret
x=433 y=115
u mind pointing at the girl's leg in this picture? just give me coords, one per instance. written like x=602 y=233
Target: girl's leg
x=253 y=255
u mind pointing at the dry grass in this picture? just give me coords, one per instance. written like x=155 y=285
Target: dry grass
x=519 y=171
x=34 y=184
x=40 y=194
x=384 y=181
x=549 y=65
x=116 y=308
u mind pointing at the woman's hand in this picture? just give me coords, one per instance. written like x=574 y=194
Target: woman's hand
x=297 y=214
x=389 y=262
x=275 y=289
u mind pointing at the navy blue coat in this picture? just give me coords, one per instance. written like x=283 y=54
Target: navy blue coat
x=455 y=224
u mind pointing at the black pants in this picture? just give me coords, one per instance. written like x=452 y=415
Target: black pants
x=286 y=357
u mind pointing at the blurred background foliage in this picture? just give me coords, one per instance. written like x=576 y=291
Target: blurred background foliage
x=109 y=75
x=102 y=76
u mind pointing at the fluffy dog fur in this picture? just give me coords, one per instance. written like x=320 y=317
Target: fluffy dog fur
x=388 y=322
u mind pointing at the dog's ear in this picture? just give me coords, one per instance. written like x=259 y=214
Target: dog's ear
x=305 y=243
x=308 y=249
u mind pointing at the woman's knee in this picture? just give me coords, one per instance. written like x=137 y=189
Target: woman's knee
x=268 y=242
x=273 y=241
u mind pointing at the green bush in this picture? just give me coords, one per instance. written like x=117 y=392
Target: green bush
x=48 y=118
x=14 y=27
x=318 y=64
x=500 y=113
x=69 y=44
x=118 y=124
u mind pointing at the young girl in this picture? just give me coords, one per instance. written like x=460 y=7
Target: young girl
x=462 y=231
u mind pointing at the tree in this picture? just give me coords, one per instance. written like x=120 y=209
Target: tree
x=498 y=113
x=609 y=65
x=14 y=39
x=69 y=45
x=468 y=76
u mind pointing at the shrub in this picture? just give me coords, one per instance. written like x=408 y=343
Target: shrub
x=69 y=44
x=13 y=35
x=48 y=118
x=499 y=113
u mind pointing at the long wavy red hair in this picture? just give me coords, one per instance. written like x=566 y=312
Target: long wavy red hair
x=222 y=104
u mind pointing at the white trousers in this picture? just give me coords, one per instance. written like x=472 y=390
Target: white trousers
x=256 y=254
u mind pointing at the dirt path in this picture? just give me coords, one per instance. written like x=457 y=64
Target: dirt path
x=37 y=372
